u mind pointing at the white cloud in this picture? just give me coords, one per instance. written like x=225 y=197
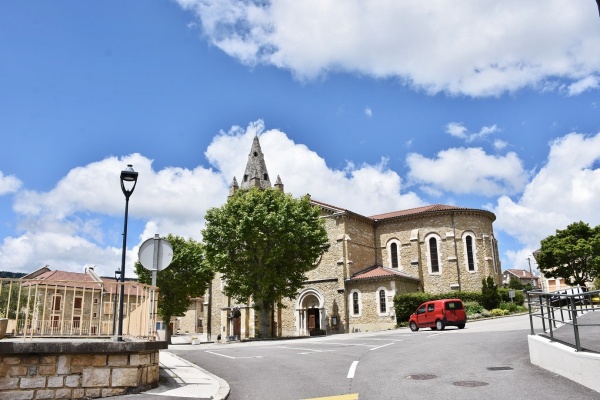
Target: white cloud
x=565 y=190
x=473 y=47
x=582 y=85
x=8 y=184
x=66 y=227
x=459 y=131
x=368 y=112
x=468 y=171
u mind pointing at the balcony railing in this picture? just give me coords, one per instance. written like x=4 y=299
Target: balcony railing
x=43 y=308
x=569 y=316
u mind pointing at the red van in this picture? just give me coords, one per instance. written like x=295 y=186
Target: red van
x=437 y=314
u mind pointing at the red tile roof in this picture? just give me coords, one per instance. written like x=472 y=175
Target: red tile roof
x=521 y=273
x=378 y=271
x=418 y=210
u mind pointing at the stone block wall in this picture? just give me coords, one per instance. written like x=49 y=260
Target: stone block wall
x=72 y=375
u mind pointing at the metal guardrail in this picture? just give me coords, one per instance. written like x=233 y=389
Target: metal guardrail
x=43 y=308
x=561 y=309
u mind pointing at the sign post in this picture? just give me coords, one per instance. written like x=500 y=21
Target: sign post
x=155 y=255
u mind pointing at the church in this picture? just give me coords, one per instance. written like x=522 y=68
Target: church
x=432 y=249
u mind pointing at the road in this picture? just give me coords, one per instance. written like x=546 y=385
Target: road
x=486 y=360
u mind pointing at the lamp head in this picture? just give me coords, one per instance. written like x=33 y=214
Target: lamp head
x=128 y=175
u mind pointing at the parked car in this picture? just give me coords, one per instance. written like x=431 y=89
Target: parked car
x=437 y=314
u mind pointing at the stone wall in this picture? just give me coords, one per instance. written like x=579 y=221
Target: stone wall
x=64 y=370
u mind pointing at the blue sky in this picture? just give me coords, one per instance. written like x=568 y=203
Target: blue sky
x=373 y=108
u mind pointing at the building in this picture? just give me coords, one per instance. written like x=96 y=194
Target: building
x=433 y=249
x=525 y=277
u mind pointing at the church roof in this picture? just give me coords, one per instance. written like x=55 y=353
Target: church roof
x=377 y=271
x=419 y=210
x=256 y=174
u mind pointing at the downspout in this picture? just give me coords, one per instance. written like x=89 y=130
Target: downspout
x=375 y=243
x=456 y=251
x=346 y=277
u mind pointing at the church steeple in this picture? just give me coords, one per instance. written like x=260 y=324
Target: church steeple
x=256 y=174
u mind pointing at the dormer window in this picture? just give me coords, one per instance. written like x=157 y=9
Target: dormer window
x=255 y=154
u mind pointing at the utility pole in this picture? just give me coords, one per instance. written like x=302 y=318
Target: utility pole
x=530 y=273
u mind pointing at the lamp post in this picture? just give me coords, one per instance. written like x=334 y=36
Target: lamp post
x=130 y=176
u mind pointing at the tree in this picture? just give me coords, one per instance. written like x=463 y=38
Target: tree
x=186 y=277
x=490 y=298
x=263 y=242
x=572 y=254
x=515 y=283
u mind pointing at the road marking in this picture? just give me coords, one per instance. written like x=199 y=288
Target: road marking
x=353 y=396
x=217 y=354
x=352 y=370
x=300 y=348
x=383 y=345
x=345 y=344
x=388 y=340
x=434 y=334
x=233 y=358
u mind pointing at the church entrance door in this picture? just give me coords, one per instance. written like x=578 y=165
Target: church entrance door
x=313 y=319
x=237 y=323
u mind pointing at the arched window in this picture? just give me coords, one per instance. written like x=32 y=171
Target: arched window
x=434 y=255
x=382 y=302
x=470 y=259
x=394 y=254
x=470 y=251
x=355 y=303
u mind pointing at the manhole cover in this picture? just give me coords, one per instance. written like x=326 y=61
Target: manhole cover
x=421 y=377
x=470 y=383
x=499 y=368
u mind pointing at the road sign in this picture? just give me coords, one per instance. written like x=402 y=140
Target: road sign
x=155 y=254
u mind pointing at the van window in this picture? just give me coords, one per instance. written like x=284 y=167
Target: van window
x=421 y=310
x=430 y=307
x=454 y=305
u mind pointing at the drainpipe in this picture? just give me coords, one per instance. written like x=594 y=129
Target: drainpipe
x=456 y=252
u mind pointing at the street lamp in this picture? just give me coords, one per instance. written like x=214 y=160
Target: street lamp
x=130 y=176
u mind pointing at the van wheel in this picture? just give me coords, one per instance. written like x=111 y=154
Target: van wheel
x=461 y=326
x=413 y=327
x=439 y=325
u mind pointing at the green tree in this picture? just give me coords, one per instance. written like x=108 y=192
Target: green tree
x=572 y=254
x=186 y=277
x=490 y=298
x=515 y=283
x=263 y=242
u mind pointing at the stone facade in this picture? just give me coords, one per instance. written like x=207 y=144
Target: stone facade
x=432 y=249
x=62 y=370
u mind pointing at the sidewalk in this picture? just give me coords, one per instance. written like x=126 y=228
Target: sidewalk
x=182 y=380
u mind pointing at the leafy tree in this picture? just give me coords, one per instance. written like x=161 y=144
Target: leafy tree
x=490 y=298
x=263 y=242
x=572 y=254
x=186 y=277
x=515 y=283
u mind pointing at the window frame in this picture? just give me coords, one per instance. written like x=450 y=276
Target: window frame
x=390 y=257
x=465 y=237
x=437 y=239
x=355 y=301
x=380 y=303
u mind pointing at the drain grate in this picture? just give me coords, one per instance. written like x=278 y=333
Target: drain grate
x=499 y=368
x=470 y=383
x=421 y=377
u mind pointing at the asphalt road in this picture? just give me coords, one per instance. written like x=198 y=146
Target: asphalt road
x=486 y=360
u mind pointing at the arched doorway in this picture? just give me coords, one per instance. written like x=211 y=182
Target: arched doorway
x=310 y=312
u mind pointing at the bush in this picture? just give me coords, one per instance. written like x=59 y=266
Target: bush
x=406 y=303
x=497 y=312
x=490 y=298
x=472 y=307
x=519 y=298
x=510 y=307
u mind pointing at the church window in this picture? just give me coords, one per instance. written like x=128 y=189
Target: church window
x=394 y=254
x=433 y=259
x=265 y=177
x=382 y=302
x=355 y=298
x=255 y=154
x=246 y=178
x=470 y=252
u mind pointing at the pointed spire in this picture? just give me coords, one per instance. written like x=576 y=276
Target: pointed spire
x=278 y=184
x=233 y=187
x=256 y=174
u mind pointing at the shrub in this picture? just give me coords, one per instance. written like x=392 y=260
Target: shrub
x=519 y=298
x=490 y=298
x=472 y=307
x=406 y=303
x=510 y=307
x=497 y=312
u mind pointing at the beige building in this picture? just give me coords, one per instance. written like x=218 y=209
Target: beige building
x=433 y=249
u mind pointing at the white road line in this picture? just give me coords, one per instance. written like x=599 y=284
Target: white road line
x=300 y=348
x=378 y=347
x=222 y=355
x=346 y=344
x=434 y=334
x=352 y=370
x=388 y=340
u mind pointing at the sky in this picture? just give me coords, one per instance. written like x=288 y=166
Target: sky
x=370 y=106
